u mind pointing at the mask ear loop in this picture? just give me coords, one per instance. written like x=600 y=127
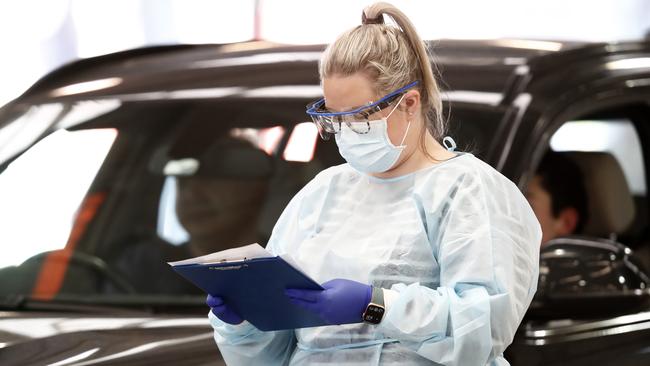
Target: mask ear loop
x=396 y=105
x=407 y=126
x=449 y=143
x=405 y=134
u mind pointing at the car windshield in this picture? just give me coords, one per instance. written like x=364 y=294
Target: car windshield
x=111 y=192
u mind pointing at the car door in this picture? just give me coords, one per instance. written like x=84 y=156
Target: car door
x=607 y=84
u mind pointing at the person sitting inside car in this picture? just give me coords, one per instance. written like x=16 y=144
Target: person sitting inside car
x=218 y=211
x=558 y=197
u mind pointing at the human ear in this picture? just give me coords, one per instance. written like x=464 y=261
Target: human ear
x=567 y=221
x=411 y=101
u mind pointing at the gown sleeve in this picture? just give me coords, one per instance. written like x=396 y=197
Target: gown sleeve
x=243 y=344
x=486 y=240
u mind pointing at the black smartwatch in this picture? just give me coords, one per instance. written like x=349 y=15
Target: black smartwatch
x=375 y=309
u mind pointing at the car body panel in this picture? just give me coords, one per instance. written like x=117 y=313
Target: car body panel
x=67 y=338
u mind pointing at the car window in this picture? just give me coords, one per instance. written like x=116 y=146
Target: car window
x=617 y=140
x=617 y=137
x=41 y=191
x=609 y=156
x=227 y=191
x=589 y=194
x=178 y=180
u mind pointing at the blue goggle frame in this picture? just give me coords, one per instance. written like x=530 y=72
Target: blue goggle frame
x=328 y=123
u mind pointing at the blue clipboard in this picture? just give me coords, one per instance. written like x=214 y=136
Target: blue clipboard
x=254 y=288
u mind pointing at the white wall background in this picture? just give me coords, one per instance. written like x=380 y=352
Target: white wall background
x=40 y=35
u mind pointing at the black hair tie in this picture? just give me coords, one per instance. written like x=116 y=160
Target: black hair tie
x=365 y=20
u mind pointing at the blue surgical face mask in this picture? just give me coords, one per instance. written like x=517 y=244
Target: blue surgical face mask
x=371 y=152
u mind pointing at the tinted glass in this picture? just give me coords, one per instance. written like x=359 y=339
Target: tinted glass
x=180 y=180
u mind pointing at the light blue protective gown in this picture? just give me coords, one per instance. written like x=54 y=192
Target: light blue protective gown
x=456 y=243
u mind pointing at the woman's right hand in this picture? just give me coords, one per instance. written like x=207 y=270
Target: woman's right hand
x=222 y=311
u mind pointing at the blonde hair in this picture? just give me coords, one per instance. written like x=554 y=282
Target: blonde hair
x=391 y=57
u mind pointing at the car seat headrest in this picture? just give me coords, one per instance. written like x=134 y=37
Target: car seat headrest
x=610 y=203
x=225 y=159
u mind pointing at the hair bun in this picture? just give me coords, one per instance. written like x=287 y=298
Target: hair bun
x=379 y=19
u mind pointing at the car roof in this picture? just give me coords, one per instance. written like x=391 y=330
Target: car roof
x=205 y=71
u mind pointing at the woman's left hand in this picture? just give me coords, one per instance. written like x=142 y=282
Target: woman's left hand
x=341 y=302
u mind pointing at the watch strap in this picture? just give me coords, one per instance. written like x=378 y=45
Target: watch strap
x=375 y=308
x=377 y=296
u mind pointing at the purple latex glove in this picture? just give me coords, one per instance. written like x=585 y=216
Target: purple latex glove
x=342 y=301
x=222 y=311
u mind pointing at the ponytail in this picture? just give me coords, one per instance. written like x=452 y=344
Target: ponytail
x=391 y=56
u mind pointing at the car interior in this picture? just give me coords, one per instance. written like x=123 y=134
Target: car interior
x=606 y=263
x=211 y=187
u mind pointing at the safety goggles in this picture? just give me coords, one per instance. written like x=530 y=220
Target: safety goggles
x=329 y=123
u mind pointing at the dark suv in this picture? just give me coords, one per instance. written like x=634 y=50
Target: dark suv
x=112 y=166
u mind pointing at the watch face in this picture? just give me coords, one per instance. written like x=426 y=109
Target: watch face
x=373 y=314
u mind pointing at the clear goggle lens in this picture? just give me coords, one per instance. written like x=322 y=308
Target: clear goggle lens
x=358 y=120
x=331 y=123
